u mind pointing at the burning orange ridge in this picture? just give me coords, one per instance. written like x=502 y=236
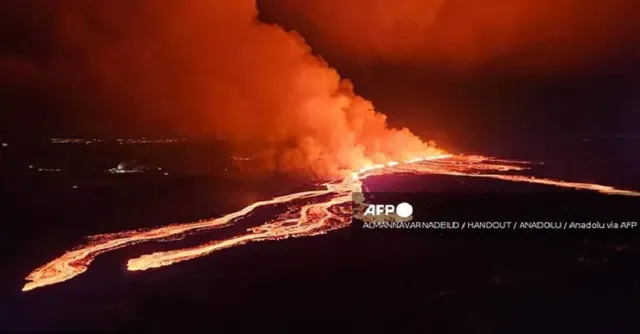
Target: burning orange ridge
x=332 y=212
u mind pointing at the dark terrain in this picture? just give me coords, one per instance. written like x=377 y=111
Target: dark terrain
x=387 y=281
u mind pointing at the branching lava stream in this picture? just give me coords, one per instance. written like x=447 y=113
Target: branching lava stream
x=332 y=212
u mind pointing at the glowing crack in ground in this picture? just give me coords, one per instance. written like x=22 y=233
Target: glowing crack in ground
x=332 y=212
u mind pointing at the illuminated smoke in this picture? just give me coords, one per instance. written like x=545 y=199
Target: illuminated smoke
x=210 y=69
x=523 y=35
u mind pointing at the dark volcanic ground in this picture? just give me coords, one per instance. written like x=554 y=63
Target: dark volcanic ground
x=347 y=280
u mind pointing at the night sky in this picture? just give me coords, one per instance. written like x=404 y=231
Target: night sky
x=469 y=71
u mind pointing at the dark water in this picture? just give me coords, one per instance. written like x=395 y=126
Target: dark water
x=374 y=282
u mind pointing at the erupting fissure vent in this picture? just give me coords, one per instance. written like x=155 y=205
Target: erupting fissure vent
x=328 y=209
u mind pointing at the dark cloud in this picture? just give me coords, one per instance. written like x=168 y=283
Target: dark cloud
x=524 y=35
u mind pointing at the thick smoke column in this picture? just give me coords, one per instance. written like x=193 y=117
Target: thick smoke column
x=209 y=69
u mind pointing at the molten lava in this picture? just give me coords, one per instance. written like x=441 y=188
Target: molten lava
x=327 y=209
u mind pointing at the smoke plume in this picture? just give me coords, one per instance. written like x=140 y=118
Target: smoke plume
x=466 y=35
x=203 y=69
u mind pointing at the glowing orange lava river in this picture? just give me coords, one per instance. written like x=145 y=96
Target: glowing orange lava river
x=323 y=210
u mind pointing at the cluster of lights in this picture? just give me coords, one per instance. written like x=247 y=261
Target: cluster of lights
x=49 y=170
x=69 y=141
x=148 y=141
x=119 y=141
x=122 y=169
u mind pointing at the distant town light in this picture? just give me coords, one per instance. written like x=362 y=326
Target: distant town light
x=121 y=141
x=123 y=168
x=46 y=169
x=5 y=145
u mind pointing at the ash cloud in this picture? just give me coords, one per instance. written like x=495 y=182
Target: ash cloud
x=205 y=69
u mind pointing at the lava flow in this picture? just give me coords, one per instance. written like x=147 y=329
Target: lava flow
x=327 y=209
